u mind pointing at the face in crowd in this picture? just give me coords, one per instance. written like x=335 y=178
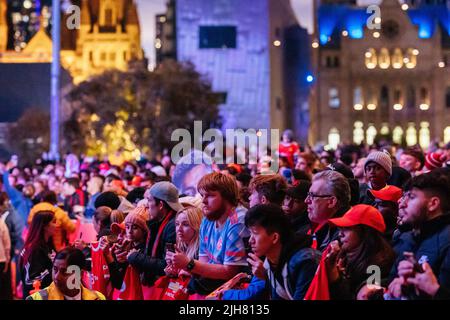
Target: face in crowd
x=376 y=175
x=348 y=239
x=155 y=209
x=410 y=163
x=320 y=205
x=293 y=206
x=414 y=207
x=261 y=242
x=214 y=205
x=134 y=233
x=185 y=233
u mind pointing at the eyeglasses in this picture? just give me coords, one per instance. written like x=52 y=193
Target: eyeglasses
x=312 y=195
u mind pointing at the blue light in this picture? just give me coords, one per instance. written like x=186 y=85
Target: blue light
x=323 y=38
x=309 y=78
x=356 y=33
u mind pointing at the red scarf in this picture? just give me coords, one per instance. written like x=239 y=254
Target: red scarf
x=319 y=289
x=313 y=235
x=160 y=230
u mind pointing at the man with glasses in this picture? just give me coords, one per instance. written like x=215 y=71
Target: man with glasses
x=328 y=197
x=425 y=208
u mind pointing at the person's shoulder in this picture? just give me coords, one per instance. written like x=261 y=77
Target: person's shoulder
x=237 y=217
x=307 y=254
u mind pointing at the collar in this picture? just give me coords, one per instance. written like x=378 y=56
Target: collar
x=77 y=297
x=432 y=226
x=55 y=294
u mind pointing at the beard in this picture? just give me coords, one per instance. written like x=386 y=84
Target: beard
x=216 y=214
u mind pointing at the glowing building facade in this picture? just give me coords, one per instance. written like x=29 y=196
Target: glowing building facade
x=381 y=76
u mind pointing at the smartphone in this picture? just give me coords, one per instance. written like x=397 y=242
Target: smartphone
x=170 y=247
x=409 y=256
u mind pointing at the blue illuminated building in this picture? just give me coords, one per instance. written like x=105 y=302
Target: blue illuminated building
x=388 y=82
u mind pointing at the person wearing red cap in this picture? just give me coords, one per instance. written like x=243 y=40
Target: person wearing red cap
x=360 y=245
x=425 y=209
x=386 y=201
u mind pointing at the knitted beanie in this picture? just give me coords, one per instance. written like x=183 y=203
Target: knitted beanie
x=381 y=158
x=434 y=160
x=139 y=216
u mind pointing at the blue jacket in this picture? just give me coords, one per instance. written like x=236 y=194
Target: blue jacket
x=296 y=275
x=256 y=290
x=21 y=203
x=90 y=209
x=431 y=243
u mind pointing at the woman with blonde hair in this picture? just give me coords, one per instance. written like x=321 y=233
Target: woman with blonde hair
x=187 y=227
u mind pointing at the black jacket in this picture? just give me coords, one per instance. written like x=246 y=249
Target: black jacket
x=38 y=267
x=431 y=243
x=300 y=223
x=296 y=275
x=153 y=267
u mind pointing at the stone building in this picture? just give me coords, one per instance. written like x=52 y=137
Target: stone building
x=386 y=76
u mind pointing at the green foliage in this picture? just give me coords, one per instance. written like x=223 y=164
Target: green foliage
x=137 y=109
x=29 y=137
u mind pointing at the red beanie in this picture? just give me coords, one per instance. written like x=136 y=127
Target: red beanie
x=434 y=160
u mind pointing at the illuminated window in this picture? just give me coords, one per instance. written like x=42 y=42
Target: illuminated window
x=447 y=135
x=371 y=58
x=371 y=133
x=384 y=60
x=333 y=98
x=357 y=98
x=358 y=132
x=398 y=100
x=397 y=59
x=424 y=99
x=334 y=138
x=397 y=135
x=103 y=56
x=112 y=56
x=371 y=99
x=410 y=59
x=384 y=129
x=108 y=17
x=424 y=135
x=411 y=135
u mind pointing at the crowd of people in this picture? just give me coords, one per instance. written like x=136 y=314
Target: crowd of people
x=353 y=223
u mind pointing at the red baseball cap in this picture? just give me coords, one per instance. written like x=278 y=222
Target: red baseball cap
x=117 y=228
x=361 y=214
x=136 y=181
x=388 y=193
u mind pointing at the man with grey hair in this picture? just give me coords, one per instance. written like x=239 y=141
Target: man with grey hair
x=328 y=197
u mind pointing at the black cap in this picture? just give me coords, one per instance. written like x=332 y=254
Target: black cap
x=107 y=199
x=343 y=169
x=300 y=191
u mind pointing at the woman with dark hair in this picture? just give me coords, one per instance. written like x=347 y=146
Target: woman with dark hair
x=35 y=258
x=361 y=244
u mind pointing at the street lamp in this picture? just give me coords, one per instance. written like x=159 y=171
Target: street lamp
x=55 y=80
